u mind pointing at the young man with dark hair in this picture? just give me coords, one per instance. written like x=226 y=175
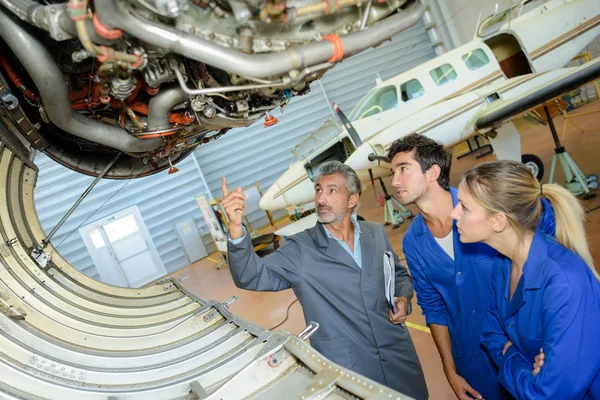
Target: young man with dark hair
x=452 y=279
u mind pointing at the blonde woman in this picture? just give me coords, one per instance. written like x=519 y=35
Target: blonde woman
x=542 y=328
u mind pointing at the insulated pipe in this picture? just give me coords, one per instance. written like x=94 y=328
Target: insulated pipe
x=49 y=80
x=160 y=106
x=119 y=14
x=66 y=23
x=27 y=10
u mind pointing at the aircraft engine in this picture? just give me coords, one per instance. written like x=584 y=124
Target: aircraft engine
x=152 y=79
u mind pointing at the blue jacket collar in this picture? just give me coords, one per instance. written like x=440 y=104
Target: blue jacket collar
x=533 y=270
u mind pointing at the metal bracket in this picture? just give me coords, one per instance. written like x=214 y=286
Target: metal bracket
x=9 y=100
x=277 y=358
x=197 y=392
x=230 y=301
x=13 y=314
x=172 y=283
x=322 y=384
x=307 y=332
x=53 y=14
x=40 y=257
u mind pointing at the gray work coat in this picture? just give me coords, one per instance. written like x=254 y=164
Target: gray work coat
x=347 y=301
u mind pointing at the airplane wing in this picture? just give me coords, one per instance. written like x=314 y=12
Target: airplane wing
x=502 y=110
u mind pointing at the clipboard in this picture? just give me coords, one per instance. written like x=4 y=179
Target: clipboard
x=389 y=278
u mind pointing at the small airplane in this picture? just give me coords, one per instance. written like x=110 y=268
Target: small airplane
x=516 y=58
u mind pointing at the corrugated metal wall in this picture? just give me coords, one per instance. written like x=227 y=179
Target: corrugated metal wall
x=243 y=155
x=163 y=200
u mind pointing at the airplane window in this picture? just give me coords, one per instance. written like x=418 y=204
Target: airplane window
x=443 y=74
x=475 y=59
x=411 y=90
x=376 y=101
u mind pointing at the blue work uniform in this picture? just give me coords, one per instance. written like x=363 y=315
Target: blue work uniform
x=456 y=293
x=555 y=306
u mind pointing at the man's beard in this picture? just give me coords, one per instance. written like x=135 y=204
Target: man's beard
x=412 y=199
x=330 y=215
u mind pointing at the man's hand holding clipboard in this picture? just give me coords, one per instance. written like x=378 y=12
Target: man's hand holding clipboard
x=398 y=305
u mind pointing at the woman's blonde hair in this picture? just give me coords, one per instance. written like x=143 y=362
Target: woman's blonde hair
x=509 y=187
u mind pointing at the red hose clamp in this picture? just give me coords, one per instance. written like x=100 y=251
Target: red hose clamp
x=106 y=52
x=104 y=31
x=338 y=47
x=138 y=63
x=77 y=12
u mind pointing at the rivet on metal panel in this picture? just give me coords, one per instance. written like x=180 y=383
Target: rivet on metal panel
x=277 y=358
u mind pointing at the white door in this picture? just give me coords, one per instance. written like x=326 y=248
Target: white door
x=122 y=249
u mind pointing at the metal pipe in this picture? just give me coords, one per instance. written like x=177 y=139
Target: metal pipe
x=160 y=106
x=221 y=89
x=366 y=15
x=78 y=202
x=66 y=23
x=27 y=10
x=49 y=80
x=119 y=14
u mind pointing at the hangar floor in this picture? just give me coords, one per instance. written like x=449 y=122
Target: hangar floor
x=269 y=309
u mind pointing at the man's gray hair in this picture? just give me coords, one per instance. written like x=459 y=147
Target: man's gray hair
x=335 y=167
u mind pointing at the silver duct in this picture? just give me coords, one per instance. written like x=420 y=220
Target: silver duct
x=49 y=80
x=166 y=99
x=119 y=14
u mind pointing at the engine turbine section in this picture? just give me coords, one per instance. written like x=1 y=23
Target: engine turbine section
x=153 y=79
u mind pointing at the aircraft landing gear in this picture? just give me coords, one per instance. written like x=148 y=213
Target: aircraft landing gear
x=577 y=183
x=394 y=212
x=535 y=165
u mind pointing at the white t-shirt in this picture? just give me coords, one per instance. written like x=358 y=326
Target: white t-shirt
x=447 y=244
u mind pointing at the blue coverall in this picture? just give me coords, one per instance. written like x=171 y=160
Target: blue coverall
x=456 y=293
x=556 y=306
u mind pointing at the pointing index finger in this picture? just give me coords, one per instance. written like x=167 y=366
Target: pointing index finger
x=224 y=186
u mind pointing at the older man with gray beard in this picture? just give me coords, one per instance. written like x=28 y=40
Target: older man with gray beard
x=336 y=272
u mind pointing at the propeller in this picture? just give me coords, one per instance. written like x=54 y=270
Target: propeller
x=344 y=120
x=354 y=136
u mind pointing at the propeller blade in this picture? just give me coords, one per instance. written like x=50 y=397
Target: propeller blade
x=373 y=183
x=344 y=120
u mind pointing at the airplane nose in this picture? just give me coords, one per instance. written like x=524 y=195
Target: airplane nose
x=359 y=160
x=269 y=202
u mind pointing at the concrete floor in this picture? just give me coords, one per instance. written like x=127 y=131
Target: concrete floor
x=269 y=309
